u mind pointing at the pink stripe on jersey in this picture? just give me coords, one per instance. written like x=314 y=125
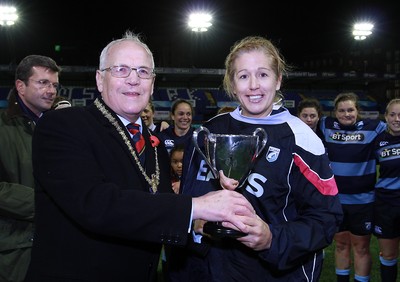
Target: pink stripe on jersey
x=324 y=186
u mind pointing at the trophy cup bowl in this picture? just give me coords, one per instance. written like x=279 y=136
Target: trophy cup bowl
x=235 y=155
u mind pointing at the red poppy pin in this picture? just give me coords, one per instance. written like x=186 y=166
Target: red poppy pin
x=154 y=141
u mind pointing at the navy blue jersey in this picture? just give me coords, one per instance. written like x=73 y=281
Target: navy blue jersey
x=351 y=152
x=170 y=139
x=387 y=149
x=291 y=187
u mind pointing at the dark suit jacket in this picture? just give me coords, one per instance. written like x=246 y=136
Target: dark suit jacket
x=95 y=217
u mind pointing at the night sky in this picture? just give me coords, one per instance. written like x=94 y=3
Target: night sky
x=83 y=28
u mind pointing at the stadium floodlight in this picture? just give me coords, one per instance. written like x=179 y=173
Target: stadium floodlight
x=362 y=30
x=8 y=15
x=200 y=22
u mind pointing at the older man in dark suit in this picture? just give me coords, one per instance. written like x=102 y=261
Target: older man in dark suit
x=102 y=214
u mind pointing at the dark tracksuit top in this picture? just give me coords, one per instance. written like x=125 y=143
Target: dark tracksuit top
x=292 y=189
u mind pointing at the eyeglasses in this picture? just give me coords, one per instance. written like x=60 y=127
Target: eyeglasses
x=44 y=83
x=125 y=71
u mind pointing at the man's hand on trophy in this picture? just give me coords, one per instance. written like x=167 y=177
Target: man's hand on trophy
x=226 y=182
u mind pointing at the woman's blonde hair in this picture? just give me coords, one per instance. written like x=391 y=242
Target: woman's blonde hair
x=391 y=102
x=248 y=44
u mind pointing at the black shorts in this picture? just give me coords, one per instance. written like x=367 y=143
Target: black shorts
x=386 y=220
x=357 y=219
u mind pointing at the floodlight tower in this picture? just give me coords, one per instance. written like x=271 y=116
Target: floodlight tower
x=8 y=15
x=8 y=18
x=200 y=22
x=362 y=30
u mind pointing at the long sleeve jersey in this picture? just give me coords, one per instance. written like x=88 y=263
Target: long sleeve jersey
x=351 y=152
x=292 y=188
x=171 y=140
x=387 y=150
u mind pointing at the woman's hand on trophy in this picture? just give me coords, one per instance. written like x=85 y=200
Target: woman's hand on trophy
x=259 y=236
x=226 y=182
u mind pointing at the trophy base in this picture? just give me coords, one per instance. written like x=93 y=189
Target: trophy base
x=216 y=230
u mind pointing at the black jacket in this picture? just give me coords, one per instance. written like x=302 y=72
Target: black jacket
x=96 y=219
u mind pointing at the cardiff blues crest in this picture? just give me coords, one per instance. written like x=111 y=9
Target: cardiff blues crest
x=272 y=154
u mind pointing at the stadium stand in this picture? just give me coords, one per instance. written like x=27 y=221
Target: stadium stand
x=206 y=102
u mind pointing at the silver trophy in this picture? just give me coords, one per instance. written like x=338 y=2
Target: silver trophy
x=235 y=155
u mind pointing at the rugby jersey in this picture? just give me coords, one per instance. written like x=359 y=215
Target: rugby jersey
x=387 y=150
x=171 y=140
x=351 y=152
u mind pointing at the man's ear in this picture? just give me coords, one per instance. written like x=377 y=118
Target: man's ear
x=20 y=87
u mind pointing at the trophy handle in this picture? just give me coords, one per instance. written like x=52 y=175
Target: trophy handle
x=264 y=136
x=196 y=145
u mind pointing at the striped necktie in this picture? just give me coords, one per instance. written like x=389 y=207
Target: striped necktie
x=138 y=139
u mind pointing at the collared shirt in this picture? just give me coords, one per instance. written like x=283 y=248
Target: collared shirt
x=126 y=122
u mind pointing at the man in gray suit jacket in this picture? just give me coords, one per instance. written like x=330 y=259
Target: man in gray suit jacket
x=102 y=215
